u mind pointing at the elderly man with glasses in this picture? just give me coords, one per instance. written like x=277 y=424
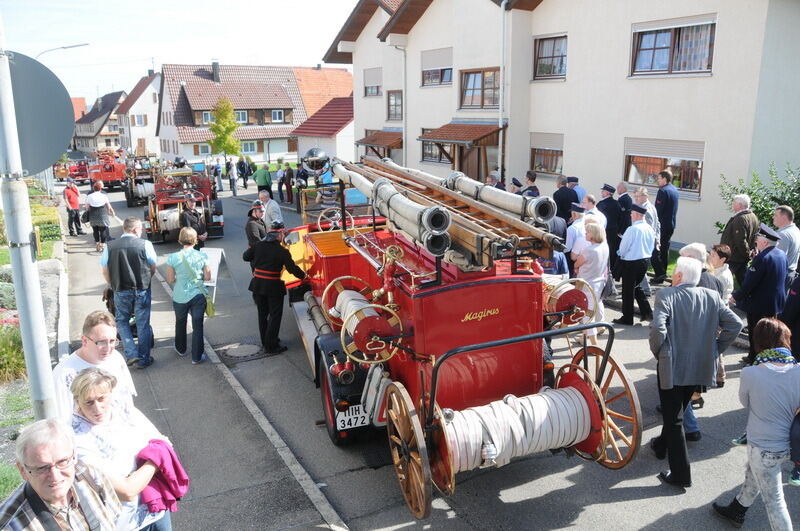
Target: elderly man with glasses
x=59 y=492
x=98 y=349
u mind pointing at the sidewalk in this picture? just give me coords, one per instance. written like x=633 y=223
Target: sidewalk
x=243 y=476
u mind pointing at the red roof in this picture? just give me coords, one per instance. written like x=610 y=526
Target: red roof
x=391 y=5
x=360 y=16
x=329 y=120
x=389 y=139
x=137 y=91
x=455 y=133
x=78 y=107
x=189 y=135
x=243 y=96
x=318 y=85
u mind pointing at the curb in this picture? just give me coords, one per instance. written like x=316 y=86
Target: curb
x=62 y=327
x=301 y=475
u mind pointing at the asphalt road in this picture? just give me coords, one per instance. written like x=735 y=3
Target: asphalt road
x=542 y=491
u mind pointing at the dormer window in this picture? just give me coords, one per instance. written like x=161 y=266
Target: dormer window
x=277 y=116
x=241 y=117
x=207 y=118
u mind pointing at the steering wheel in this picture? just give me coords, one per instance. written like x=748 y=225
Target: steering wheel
x=337 y=285
x=333 y=216
x=369 y=333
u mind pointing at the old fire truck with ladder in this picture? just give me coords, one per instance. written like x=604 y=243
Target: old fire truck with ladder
x=431 y=320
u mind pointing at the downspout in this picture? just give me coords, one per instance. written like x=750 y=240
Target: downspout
x=501 y=106
x=405 y=102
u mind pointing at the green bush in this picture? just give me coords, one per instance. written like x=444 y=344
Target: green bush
x=9 y=480
x=764 y=196
x=280 y=161
x=12 y=360
x=43 y=215
x=7 y=298
x=50 y=232
x=6 y=275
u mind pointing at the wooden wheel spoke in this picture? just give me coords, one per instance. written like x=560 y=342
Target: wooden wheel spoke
x=395 y=439
x=618 y=415
x=615 y=429
x=393 y=321
x=616 y=397
x=607 y=383
x=351 y=347
x=613 y=443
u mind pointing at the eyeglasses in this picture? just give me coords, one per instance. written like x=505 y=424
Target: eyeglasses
x=60 y=464
x=105 y=343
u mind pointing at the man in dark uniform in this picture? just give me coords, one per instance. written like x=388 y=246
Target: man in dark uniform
x=244 y=170
x=268 y=258
x=190 y=217
x=634 y=252
x=611 y=210
x=530 y=190
x=564 y=197
x=256 y=228
x=763 y=292
x=667 y=208
x=625 y=201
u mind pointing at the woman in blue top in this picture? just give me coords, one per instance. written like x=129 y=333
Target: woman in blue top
x=186 y=270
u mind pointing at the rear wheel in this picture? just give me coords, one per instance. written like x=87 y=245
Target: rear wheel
x=327 y=405
x=129 y=198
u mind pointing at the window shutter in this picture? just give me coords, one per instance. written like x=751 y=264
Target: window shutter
x=547 y=141
x=441 y=58
x=196 y=149
x=373 y=77
x=695 y=20
x=668 y=149
x=260 y=146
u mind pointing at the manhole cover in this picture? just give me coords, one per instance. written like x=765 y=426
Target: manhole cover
x=238 y=352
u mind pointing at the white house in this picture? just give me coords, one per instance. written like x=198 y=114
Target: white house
x=98 y=130
x=330 y=129
x=138 y=117
x=606 y=91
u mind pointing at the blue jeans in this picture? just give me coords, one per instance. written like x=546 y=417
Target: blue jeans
x=129 y=303
x=196 y=308
x=763 y=476
x=162 y=524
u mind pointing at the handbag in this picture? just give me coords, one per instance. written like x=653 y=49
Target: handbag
x=85 y=216
x=210 y=310
x=608 y=288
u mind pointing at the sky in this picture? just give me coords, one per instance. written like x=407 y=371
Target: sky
x=128 y=38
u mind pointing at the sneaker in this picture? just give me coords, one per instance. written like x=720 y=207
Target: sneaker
x=178 y=352
x=276 y=351
x=794 y=477
x=202 y=359
x=740 y=441
x=146 y=364
x=130 y=362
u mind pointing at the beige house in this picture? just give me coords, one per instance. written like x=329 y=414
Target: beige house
x=98 y=130
x=138 y=117
x=606 y=91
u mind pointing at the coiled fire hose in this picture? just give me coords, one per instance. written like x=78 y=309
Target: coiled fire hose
x=493 y=434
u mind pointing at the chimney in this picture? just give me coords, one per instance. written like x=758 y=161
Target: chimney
x=215 y=71
x=150 y=72
x=318 y=67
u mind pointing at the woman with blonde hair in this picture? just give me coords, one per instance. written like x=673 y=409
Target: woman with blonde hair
x=187 y=270
x=592 y=266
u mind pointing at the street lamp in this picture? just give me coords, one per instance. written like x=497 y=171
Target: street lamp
x=61 y=48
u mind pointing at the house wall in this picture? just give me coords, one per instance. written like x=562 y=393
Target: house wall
x=147 y=104
x=327 y=144
x=598 y=104
x=777 y=117
x=340 y=146
x=345 y=147
x=271 y=150
x=168 y=133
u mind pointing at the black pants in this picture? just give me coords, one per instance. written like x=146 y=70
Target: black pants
x=270 y=312
x=794 y=439
x=612 y=238
x=752 y=320
x=244 y=181
x=101 y=234
x=661 y=256
x=74 y=221
x=671 y=440
x=196 y=307
x=633 y=272
x=738 y=269
x=267 y=187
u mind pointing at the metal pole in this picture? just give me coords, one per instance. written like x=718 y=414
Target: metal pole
x=25 y=273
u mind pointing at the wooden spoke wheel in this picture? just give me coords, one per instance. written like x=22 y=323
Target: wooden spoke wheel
x=334 y=288
x=367 y=344
x=408 y=450
x=442 y=471
x=623 y=419
x=582 y=301
x=333 y=217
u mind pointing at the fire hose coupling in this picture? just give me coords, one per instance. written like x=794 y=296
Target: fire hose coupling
x=344 y=372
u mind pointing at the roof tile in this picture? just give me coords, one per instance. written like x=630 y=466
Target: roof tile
x=189 y=135
x=329 y=120
x=243 y=96
x=459 y=133
x=390 y=139
x=318 y=85
x=104 y=105
x=137 y=91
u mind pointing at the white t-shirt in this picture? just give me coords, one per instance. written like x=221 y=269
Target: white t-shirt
x=69 y=367
x=97 y=199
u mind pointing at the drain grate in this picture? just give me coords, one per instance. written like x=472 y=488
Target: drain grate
x=239 y=352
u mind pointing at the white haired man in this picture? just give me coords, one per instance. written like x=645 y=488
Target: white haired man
x=783 y=219
x=740 y=235
x=684 y=340
x=59 y=491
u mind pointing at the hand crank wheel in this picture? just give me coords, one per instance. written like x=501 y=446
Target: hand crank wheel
x=623 y=412
x=408 y=450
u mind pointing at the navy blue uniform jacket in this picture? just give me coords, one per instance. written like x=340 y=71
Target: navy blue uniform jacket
x=564 y=197
x=667 y=207
x=763 y=291
x=611 y=210
x=625 y=203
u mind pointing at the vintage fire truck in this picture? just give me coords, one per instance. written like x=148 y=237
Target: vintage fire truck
x=165 y=205
x=140 y=177
x=107 y=170
x=431 y=319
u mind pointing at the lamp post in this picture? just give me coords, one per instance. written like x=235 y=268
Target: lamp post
x=61 y=48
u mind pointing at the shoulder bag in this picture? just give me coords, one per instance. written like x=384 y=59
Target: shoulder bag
x=210 y=310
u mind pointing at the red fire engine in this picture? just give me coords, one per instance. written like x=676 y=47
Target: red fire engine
x=108 y=171
x=433 y=322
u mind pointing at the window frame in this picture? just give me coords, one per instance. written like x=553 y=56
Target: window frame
x=136 y=120
x=675 y=32
x=482 y=90
x=547 y=153
x=439 y=158
x=255 y=147
x=441 y=74
x=537 y=42
x=390 y=115
x=204 y=149
x=371 y=91
x=664 y=163
x=207 y=117
x=272 y=113
x=236 y=115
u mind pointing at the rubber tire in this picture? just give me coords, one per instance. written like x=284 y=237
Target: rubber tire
x=327 y=405
x=129 y=198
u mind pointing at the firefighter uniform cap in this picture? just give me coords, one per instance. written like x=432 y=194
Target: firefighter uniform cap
x=638 y=208
x=765 y=232
x=608 y=188
x=516 y=182
x=576 y=207
x=572 y=179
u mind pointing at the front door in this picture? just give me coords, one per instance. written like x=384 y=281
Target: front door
x=470 y=162
x=141 y=149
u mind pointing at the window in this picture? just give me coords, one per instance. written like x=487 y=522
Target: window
x=139 y=120
x=155 y=97
x=204 y=149
x=113 y=128
x=374 y=90
x=432 y=153
x=480 y=88
x=551 y=58
x=437 y=76
x=249 y=147
x=277 y=115
x=547 y=160
x=674 y=50
x=207 y=118
x=394 y=102
x=241 y=117
x=108 y=142
x=686 y=174
x=373 y=79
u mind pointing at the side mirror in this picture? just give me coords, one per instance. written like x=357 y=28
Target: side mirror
x=291 y=238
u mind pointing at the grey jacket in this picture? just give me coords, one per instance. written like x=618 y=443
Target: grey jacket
x=683 y=334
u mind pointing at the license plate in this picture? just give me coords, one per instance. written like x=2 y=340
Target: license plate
x=218 y=219
x=352 y=418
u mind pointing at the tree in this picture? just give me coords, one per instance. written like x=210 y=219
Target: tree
x=765 y=196
x=223 y=127
x=64 y=160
